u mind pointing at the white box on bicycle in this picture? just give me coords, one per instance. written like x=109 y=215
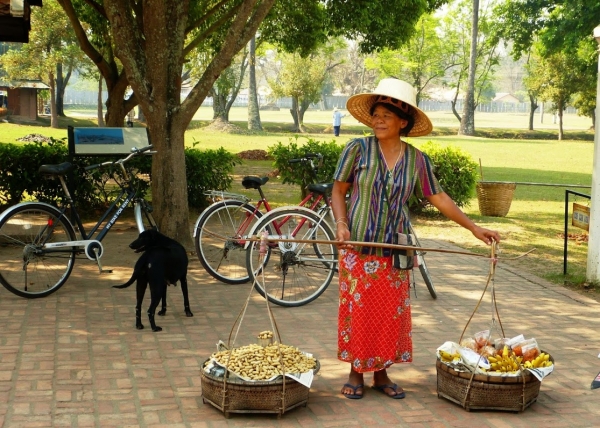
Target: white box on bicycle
x=106 y=141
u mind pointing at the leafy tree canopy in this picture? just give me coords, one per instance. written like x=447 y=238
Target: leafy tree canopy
x=558 y=24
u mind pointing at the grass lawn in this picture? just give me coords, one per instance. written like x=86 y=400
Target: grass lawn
x=536 y=217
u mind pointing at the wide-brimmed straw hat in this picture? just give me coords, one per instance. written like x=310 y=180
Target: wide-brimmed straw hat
x=391 y=91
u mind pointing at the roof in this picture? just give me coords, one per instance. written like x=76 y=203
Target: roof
x=506 y=97
x=31 y=84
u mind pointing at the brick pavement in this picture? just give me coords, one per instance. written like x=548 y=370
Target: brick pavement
x=75 y=358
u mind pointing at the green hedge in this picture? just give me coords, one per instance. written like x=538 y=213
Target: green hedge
x=455 y=170
x=94 y=190
x=300 y=173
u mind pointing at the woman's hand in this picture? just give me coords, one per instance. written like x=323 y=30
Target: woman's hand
x=486 y=235
x=342 y=234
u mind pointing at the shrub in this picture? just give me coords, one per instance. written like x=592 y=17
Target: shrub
x=455 y=170
x=95 y=190
x=206 y=170
x=300 y=173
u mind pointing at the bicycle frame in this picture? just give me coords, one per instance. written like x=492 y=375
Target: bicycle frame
x=93 y=247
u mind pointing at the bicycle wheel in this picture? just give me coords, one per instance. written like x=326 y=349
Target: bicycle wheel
x=26 y=268
x=293 y=273
x=143 y=216
x=223 y=259
x=423 y=266
x=426 y=276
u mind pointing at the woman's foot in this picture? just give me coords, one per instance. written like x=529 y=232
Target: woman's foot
x=354 y=388
x=382 y=383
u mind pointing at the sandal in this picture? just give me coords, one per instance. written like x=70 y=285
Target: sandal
x=354 y=395
x=397 y=395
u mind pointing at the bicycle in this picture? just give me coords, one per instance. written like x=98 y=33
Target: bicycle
x=421 y=259
x=293 y=273
x=302 y=272
x=232 y=215
x=38 y=243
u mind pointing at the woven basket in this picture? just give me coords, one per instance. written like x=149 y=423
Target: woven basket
x=482 y=392
x=494 y=198
x=239 y=396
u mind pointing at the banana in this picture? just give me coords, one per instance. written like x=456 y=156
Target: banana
x=492 y=359
x=446 y=356
x=505 y=351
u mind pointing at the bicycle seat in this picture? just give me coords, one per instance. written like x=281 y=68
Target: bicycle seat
x=59 y=169
x=253 y=182
x=320 y=188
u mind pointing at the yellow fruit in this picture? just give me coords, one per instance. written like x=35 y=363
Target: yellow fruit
x=505 y=351
x=492 y=359
x=446 y=356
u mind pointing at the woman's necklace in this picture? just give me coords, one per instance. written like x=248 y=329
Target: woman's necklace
x=387 y=166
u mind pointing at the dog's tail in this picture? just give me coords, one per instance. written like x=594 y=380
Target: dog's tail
x=128 y=283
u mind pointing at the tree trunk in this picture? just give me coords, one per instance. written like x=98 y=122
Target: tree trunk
x=116 y=105
x=254 y=122
x=467 y=124
x=220 y=107
x=303 y=107
x=169 y=197
x=53 y=114
x=560 y=121
x=294 y=111
x=533 y=107
x=100 y=115
x=453 y=103
x=60 y=91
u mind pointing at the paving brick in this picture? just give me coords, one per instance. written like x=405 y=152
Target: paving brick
x=76 y=359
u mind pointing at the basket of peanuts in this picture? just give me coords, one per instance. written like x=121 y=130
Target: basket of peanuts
x=265 y=377
x=481 y=374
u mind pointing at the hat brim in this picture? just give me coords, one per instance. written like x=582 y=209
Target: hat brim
x=359 y=106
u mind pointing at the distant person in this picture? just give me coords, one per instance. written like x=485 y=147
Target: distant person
x=130 y=117
x=337 y=121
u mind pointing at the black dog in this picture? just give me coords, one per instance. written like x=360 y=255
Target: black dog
x=164 y=261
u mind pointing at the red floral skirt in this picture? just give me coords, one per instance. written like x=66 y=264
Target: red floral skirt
x=374 y=321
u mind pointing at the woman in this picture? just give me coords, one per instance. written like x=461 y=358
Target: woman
x=381 y=172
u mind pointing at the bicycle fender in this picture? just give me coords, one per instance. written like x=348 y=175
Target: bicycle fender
x=52 y=208
x=274 y=212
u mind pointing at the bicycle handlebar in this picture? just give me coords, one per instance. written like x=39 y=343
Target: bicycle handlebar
x=307 y=157
x=134 y=152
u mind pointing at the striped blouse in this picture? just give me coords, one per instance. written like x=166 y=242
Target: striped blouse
x=362 y=164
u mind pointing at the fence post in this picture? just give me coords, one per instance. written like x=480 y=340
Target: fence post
x=593 y=258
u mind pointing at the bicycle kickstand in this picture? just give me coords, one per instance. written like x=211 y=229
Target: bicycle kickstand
x=100 y=269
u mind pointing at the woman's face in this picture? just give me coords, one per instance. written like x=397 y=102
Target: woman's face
x=385 y=124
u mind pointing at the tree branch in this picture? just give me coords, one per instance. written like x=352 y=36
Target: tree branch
x=241 y=30
x=84 y=42
x=198 y=39
x=97 y=7
x=207 y=15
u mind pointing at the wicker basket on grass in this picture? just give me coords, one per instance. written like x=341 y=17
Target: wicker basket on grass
x=239 y=396
x=483 y=392
x=494 y=198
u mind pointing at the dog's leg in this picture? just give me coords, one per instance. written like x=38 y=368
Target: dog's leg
x=156 y=285
x=141 y=285
x=186 y=300
x=163 y=299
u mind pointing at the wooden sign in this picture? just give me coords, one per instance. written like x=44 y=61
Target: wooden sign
x=581 y=216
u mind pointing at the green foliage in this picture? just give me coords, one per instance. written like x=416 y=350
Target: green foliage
x=301 y=173
x=455 y=170
x=18 y=170
x=206 y=170
x=95 y=189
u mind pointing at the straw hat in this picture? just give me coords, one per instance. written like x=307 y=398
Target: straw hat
x=392 y=91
